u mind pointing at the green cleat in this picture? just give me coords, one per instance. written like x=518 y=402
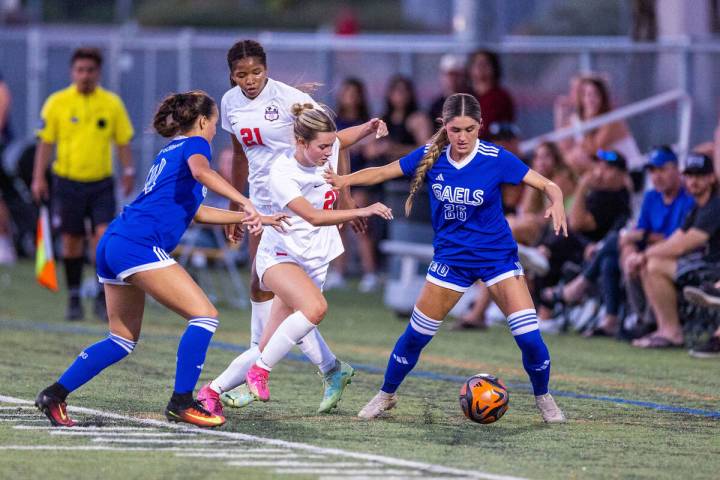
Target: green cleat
x=239 y=397
x=335 y=382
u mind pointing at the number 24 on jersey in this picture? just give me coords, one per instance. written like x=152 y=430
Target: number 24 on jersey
x=251 y=137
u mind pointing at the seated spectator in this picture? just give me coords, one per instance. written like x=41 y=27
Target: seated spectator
x=452 y=80
x=663 y=210
x=484 y=76
x=594 y=100
x=706 y=296
x=601 y=207
x=408 y=126
x=352 y=109
x=694 y=246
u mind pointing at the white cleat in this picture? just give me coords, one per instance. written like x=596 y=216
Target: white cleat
x=382 y=402
x=551 y=413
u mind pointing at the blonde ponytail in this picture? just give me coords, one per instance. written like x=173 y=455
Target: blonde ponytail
x=437 y=143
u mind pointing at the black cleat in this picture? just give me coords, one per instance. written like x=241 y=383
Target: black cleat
x=54 y=409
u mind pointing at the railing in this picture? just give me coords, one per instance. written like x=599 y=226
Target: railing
x=622 y=113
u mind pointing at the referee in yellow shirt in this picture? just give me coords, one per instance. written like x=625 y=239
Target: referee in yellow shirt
x=83 y=120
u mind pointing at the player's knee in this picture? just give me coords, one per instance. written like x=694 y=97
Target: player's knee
x=315 y=311
x=211 y=312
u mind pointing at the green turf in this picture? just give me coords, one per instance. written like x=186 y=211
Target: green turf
x=601 y=440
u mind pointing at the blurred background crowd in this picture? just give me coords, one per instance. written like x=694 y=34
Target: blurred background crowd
x=640 y=191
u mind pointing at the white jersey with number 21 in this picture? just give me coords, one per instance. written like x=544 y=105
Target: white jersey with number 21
x=264 y=127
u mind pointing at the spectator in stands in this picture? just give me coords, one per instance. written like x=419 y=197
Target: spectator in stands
x=7 y=249
x=352 y=109
x=706 y=296
x=695 y=245
x=84 y=120
x=452 y=80
x=408 y=126
x=663 y=211
x=496 y=103
x=601 y=207
x=594 y=100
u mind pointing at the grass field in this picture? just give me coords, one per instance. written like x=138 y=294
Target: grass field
x=632 y=413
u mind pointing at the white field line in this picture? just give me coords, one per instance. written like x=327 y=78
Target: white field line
x=226 y=454
x=20 y=415
x=50 y=428
x=103 y=448
x=26 y=420
x=342 y=471
x=249 y=453
x=296 y=464
x=397 y=462
x=71 y=433
x=162 y=441
x=19 y=407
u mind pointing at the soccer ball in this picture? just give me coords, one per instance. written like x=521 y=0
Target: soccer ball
x=484 y=398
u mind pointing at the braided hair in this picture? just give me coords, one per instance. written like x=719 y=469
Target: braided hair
x=456 y=105
x=311 y=120
x=178 y=112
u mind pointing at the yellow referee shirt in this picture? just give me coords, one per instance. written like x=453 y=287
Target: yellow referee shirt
x=84 y=128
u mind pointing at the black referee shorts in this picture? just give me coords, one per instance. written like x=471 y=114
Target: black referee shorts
x=73 y=202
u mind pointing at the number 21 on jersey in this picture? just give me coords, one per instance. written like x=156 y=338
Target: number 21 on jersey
x=330 y=197
x=251 y=137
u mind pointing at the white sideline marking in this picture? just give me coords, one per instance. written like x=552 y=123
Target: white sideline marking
x=199 y=441
x=19 y=407
x=70 y=432
x=291 y=463
x=103 y=448
x=30 y=420
x=351 y=472
x=248 y=454
x=20 y=415
x=85 y=429
x=397 y=462
x=223 y=454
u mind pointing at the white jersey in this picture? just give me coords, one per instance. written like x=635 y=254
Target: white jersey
x=264 y=127
x=308 y=245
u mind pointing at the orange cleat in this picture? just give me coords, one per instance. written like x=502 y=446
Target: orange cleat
x=54 y=409
x=194 y=414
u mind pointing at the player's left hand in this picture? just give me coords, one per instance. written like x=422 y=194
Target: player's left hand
x=277 y=221
x=379 y=127
x=557 y=212
x=252 y=219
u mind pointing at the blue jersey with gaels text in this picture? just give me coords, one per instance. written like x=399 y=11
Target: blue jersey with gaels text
x=169 y=199
x=466 y=203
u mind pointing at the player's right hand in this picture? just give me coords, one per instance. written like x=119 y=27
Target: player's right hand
x=379 y=209
x=252 y=219
x=234 y=232
x=39 y=189
x=277 y=221
x=337 y=181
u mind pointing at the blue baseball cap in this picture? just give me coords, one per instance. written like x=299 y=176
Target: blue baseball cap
x=612 y=158
x=659 y=156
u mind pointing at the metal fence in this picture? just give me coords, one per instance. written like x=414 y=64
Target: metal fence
x=144 y=65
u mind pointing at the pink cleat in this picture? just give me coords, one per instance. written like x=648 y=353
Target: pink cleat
x=210 y=400
x=257 y=382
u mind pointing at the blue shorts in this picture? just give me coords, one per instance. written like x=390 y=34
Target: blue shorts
x=116 y=258
x=460 y=279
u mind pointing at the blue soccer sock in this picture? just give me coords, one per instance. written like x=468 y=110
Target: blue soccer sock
x=95 y=359
x=191 y=352
x=406 y=353
x=535 y=355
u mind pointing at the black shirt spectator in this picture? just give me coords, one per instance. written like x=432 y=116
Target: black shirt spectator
x=610 y=209
x=707 y=219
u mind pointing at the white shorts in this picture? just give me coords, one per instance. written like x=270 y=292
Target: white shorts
x=268 y=256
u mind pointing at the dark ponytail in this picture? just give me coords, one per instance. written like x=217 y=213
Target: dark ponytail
x=178 y=112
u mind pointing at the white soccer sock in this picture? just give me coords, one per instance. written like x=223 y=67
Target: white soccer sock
x=259 y=316
x=234 y=374
x=315 y=348
x=288 y=334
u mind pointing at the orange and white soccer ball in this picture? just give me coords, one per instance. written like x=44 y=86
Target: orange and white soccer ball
x=484 y=398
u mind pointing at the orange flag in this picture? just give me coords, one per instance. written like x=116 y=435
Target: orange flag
x=44 y=258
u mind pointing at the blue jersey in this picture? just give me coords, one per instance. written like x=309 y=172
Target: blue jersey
x=159 y=216
x=657 y=217
x=466 y=204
